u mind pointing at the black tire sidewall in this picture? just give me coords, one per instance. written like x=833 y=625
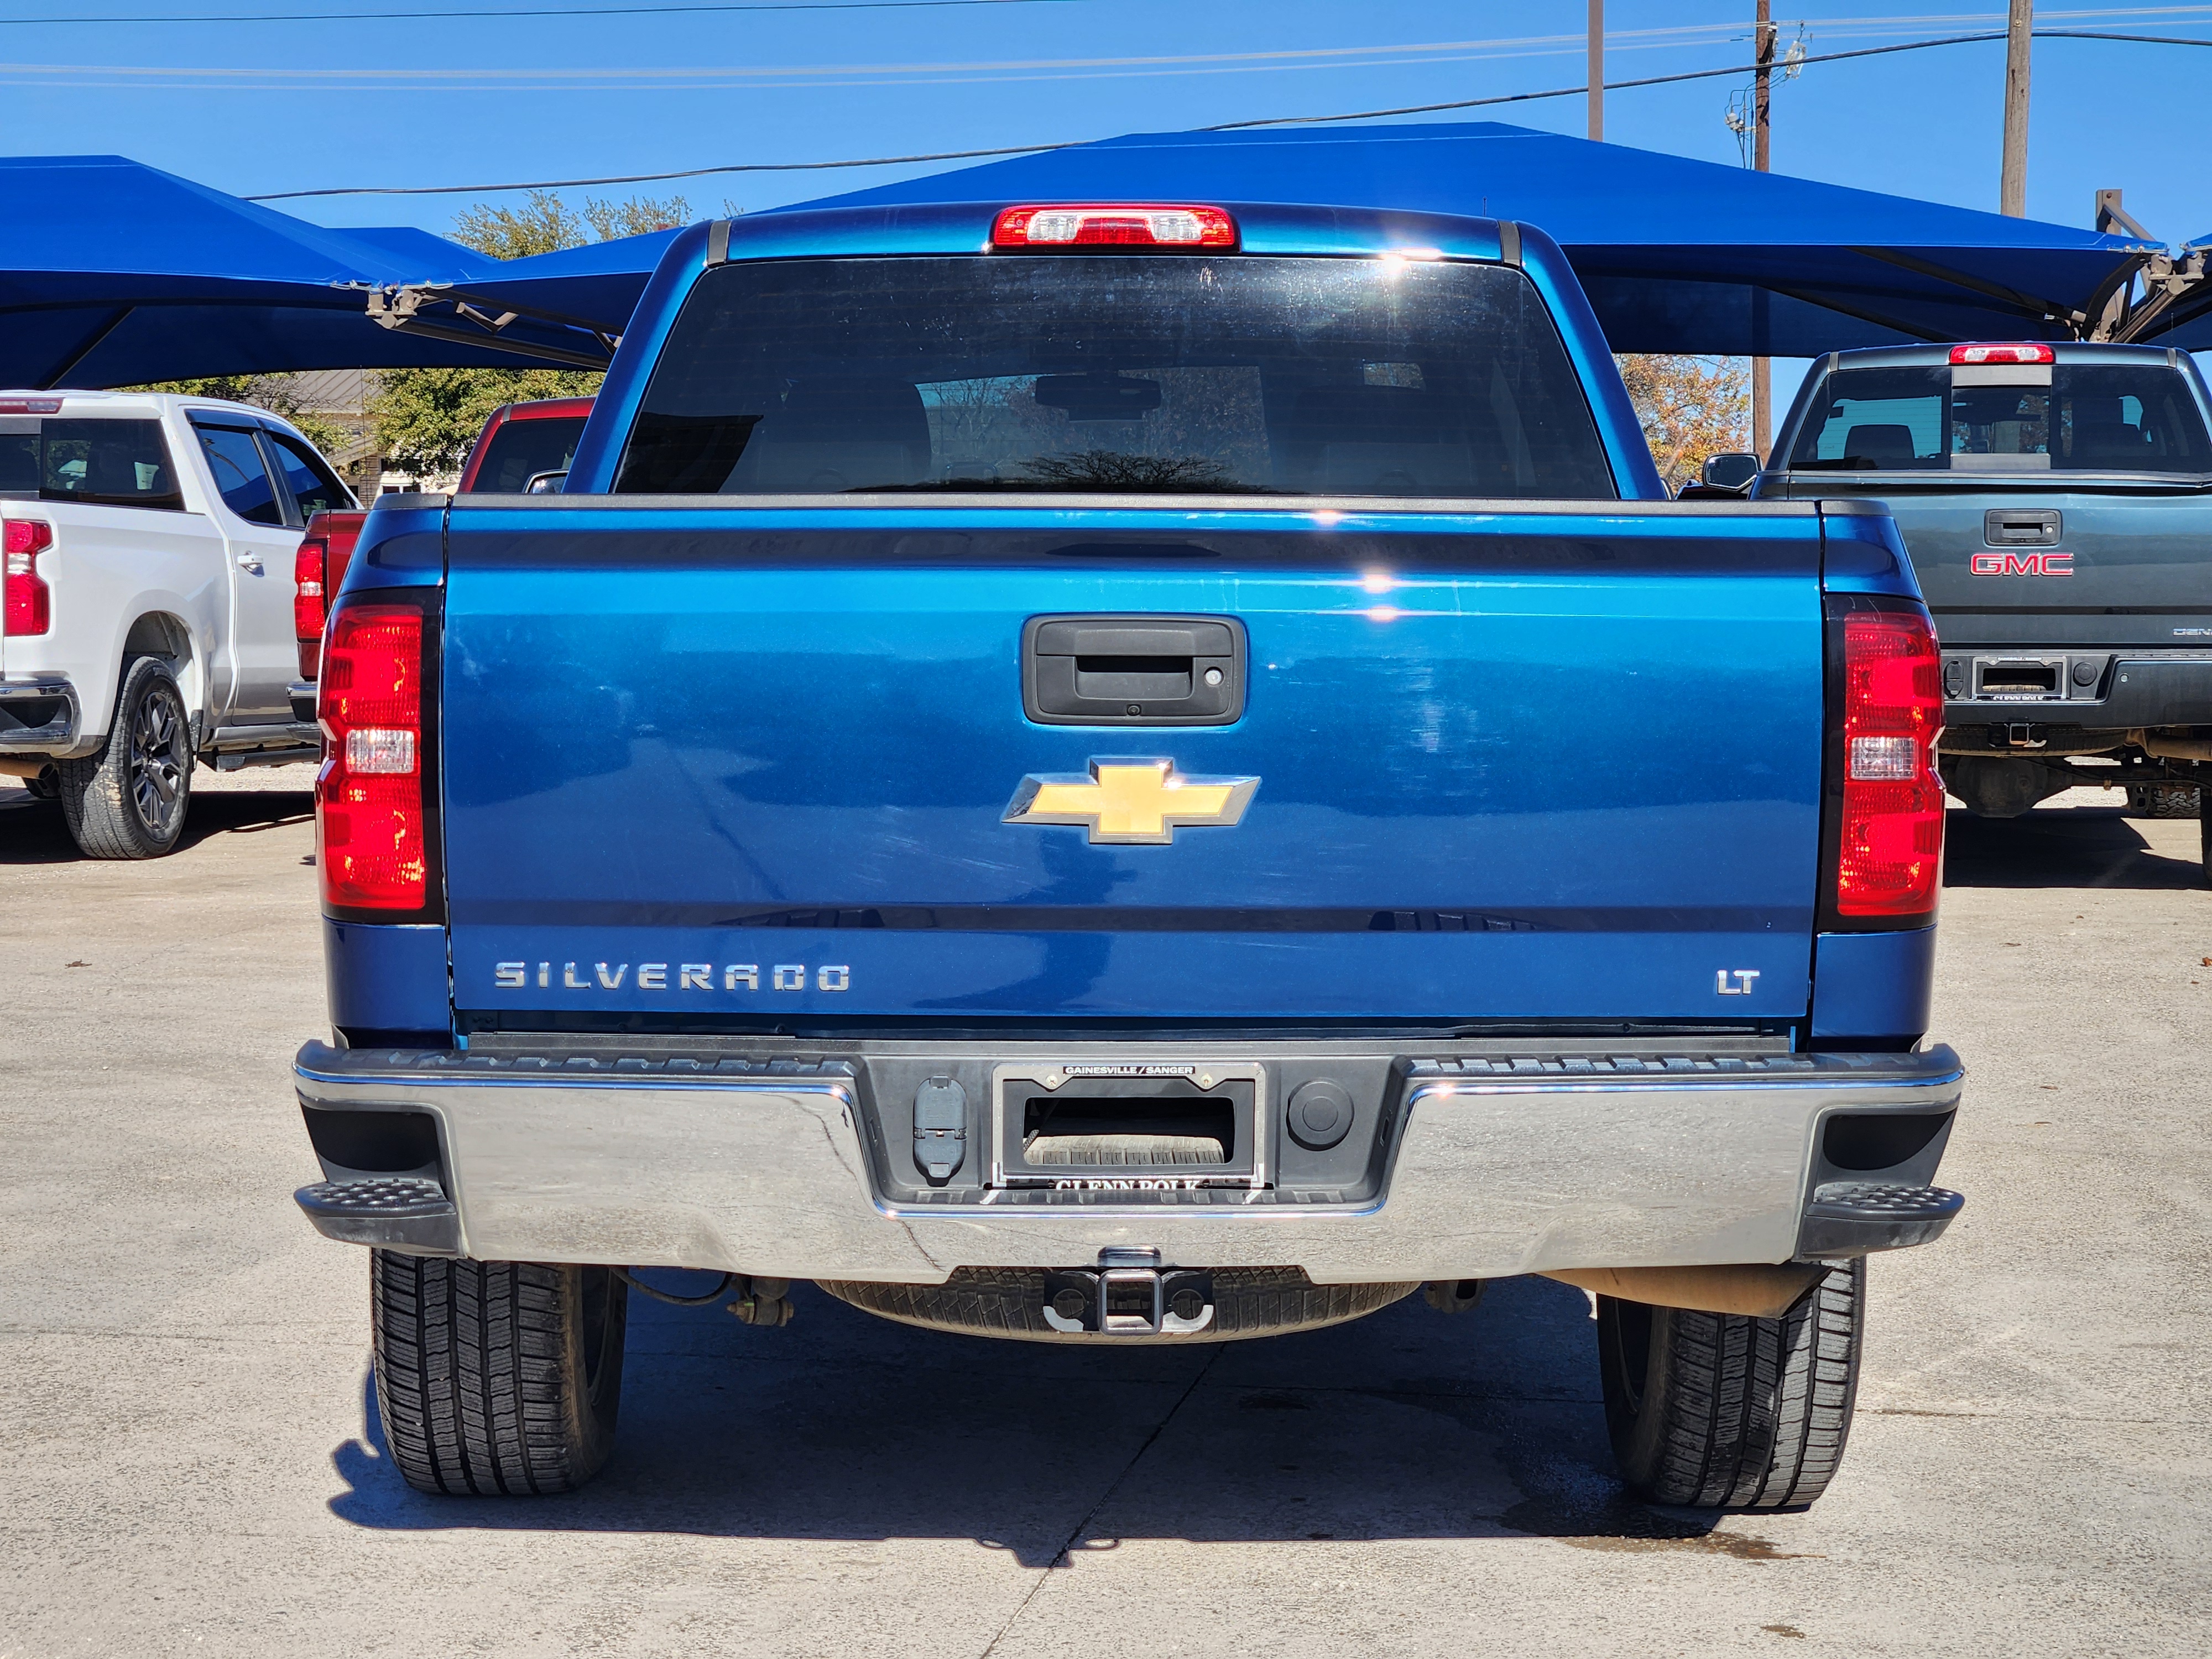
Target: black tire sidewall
x=1638 y=1424
x=98 y=799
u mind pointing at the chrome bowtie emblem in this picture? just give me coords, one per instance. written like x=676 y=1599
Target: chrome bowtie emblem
x=1130 y=802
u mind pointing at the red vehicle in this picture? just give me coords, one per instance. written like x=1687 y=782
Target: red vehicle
x=519 y=442
x=522 y=440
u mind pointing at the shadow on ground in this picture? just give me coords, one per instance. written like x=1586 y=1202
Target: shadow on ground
x=1407 y=1425
x=2067 y=846
x=32 y=830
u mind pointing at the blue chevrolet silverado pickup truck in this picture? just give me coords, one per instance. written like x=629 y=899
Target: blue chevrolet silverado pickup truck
x=1101 y=773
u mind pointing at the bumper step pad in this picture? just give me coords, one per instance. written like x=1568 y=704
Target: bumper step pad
x=1850 y=1217
x=393 y=1212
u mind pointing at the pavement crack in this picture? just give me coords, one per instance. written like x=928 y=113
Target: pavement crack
x=1067 y=1544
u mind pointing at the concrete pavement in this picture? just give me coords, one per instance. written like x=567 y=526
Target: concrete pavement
x=190 y=1461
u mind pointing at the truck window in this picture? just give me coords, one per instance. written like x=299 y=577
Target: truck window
x=310 y=480
x=1876 y=420
x=1124 y=375
x=2091 y=417
x=521 y=450
x=106 y=463
x=234 y=461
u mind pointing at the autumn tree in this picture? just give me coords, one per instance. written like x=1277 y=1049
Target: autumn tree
x=427 y=418
x=1690 y=407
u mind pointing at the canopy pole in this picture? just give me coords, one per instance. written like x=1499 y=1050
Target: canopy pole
x=1762 y=369
x=2012 y=188
x=1596 y=78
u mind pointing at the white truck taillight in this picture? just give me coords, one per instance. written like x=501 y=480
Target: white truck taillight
x=372 y=835
x=1889 y=833
x=29 y=602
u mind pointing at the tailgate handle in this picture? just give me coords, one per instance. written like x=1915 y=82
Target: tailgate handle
x=2012 y=526
x=1132 y=670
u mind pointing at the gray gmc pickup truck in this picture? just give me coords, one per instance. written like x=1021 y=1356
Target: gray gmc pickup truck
x=2056 y=501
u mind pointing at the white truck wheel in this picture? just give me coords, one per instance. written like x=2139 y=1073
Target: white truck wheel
x=129 y=800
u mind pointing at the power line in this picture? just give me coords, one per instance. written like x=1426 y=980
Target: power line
x=1224 y=126
x=547 y=11
x=1829 y=25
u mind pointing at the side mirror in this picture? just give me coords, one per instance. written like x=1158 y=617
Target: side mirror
x=1731 y=471
x=545 y=483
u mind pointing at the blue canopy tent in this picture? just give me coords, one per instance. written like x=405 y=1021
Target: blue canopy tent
x=1677 y=255
x=114 y=274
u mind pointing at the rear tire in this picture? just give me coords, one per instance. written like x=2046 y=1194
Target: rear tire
x=2204 y=834
x=497 y=1378
x=129 y=800
x=2164 y=801
x=1724 y=1411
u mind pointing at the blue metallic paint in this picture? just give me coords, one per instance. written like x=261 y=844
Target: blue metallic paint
x=1873 y=985
x=383 y=978
x=1593 y=738
x=1863 y=554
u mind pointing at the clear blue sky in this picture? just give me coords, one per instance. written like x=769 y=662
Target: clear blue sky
x=268 y=106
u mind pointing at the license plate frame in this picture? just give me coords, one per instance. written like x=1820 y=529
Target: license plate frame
x=1243 y=1085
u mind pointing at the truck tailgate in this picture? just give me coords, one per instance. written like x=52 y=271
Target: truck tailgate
x=706 y=768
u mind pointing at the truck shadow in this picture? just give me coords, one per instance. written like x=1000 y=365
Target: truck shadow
x=2066 y=847
x=32 y=830
x=1407 y=1425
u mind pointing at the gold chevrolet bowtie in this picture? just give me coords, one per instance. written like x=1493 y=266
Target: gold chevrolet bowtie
x=1130 y=802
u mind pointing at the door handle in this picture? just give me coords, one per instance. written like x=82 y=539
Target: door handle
x=250 y=561
x=1132 y=670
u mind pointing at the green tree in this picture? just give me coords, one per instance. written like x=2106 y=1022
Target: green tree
x=271 y=392
x=427 y=418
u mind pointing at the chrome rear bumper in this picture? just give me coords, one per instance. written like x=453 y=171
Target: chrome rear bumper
x=1492 y=1165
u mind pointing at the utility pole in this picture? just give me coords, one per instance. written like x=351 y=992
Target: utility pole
x=2011 y=189
x=1596 y=94
x=1762 y=373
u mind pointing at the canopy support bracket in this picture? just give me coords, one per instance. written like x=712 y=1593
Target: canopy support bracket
x=2168 y=281
x=474 y=320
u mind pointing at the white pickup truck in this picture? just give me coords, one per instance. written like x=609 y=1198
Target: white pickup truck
x=151 y=588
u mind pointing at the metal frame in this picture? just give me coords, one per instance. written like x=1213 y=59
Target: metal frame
x=475 y=320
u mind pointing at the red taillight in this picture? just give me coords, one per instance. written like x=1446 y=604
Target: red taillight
x=2002 y=354
x=1095 y=225
x=309 y=603
x=29 y=605
x=1890 y=848
x=371 y=840
x=30 y=405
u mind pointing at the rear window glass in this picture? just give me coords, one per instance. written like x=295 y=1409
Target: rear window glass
x=1121 y=375
x=521 y=449
x=2091 y=416
x=103 y=463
